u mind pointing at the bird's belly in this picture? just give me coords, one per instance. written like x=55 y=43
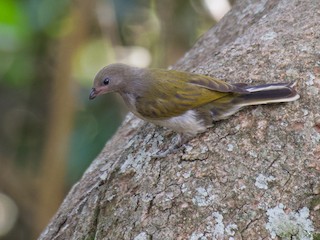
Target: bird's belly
x=188 y=123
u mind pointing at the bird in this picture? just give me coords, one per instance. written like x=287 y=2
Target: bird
x=184 y=102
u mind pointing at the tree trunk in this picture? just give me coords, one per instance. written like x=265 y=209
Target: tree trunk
x=253 y=176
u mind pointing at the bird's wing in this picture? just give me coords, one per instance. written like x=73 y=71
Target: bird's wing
x=214 y=84
x=178 y=92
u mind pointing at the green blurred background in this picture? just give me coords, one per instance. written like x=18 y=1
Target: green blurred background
x=50 y=51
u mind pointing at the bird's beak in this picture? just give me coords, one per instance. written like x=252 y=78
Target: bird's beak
x=93 y=94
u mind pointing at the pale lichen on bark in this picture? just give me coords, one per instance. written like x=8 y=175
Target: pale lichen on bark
x=229 y=181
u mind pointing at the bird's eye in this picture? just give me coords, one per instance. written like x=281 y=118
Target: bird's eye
x=106 y=81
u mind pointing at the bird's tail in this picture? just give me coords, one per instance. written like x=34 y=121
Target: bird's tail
x=268 y=93
x=261 y=94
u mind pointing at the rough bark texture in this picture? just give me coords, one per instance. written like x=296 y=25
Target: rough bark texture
x=254 y=176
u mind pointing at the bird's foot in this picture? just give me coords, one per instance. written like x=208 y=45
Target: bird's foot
x=176 y=147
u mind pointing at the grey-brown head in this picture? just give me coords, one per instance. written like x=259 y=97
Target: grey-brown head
x=112 y=78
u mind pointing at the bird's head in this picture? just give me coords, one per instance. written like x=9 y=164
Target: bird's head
x=111 y=78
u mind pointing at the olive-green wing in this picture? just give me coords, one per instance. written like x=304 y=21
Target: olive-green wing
x=216 y=84
x=174 y=93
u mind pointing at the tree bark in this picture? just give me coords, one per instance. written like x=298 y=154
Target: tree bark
x=253 y=176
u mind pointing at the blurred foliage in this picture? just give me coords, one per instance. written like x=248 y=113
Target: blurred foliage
x=138 y=32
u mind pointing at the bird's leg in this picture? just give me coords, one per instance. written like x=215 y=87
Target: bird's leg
x=181 y=140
